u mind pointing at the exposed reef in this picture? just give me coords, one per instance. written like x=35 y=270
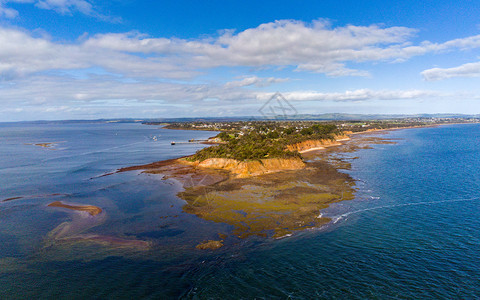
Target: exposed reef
x=275 y=204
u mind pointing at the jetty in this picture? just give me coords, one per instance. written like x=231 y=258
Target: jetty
x=189 y=142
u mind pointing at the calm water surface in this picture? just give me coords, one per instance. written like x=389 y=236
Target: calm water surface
x=413 y=230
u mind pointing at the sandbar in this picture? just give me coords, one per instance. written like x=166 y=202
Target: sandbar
x=91 y=209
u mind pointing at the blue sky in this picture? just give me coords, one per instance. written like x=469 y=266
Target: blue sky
x=84 y=59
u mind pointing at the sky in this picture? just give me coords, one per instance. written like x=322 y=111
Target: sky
x=86 y=59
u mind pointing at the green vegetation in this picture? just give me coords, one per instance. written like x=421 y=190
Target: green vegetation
x=361 y=124
x=264 y=140
x=254 y=140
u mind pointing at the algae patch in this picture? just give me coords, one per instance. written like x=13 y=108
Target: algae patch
x=271 y=205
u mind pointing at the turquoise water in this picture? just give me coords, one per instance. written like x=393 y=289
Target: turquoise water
x=412 y=231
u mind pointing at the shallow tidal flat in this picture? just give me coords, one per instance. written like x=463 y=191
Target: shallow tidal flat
x=274 y=204
x=270 y=205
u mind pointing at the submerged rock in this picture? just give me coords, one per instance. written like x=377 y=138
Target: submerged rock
x=210 y=245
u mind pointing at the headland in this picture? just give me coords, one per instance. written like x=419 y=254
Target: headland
x=268 y=179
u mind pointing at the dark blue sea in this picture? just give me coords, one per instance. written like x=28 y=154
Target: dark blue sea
x=412 y=232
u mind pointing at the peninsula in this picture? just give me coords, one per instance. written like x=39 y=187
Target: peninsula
x=264 y=178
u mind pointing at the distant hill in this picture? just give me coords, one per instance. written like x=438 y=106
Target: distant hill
x=321 y=117
x=348 y=117
x=299 y=117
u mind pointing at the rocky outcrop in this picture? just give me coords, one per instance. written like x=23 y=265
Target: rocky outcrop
x=244 y=169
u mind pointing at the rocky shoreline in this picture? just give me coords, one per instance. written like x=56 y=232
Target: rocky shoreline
x=270 y=197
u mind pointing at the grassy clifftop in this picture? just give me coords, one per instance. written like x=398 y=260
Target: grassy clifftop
x=259 y=142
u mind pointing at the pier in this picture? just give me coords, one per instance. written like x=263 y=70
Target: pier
x=192 y=141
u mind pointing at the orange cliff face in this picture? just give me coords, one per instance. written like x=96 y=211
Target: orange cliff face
x=318 y=144
x=243 y=169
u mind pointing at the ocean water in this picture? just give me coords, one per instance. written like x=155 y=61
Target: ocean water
x=413 y=230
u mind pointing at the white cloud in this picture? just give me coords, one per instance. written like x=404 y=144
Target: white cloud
x=313 y=48
x=44 y=97
x=21 y=55
x=6 y=12
x=135 y=68
x=39 y=90
x=356 y=95
x=255 y=81
x=64 y=7
x=58 y=90
x=465 y=70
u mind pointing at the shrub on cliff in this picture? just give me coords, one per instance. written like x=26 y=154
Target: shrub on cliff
x=264 y=142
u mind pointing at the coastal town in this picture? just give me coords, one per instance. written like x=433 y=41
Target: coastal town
x=255 y=140
x=349 y=125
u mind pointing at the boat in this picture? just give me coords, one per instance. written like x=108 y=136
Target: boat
x=172 y=143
